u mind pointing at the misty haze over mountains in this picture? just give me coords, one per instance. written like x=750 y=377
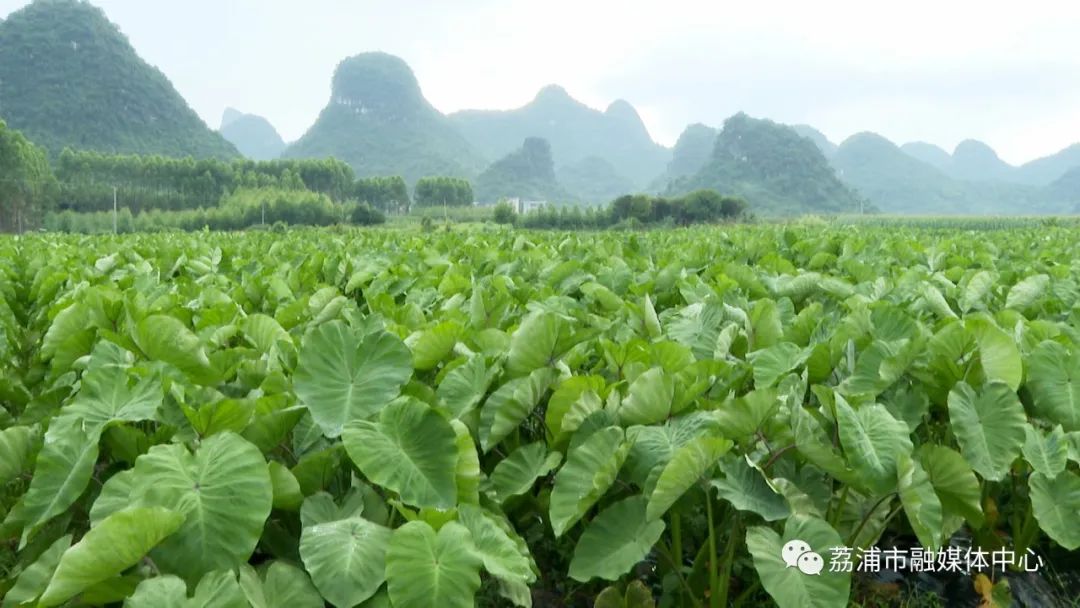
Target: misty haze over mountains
x=71 y=79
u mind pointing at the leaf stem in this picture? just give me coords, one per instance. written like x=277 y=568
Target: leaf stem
x=714 y=583
x=677 y=569
x=866 y=518
x=728 y=561
x=776 y=456
x=839 y=512
x=676 y=539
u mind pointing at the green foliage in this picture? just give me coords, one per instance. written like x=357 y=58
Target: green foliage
x=504 y=213
x=147 y=183
x=72 y=79
x=527 y=173
x=491 y=417
x=383 y=193
x=697 y=207
x=443 y=191
x=379 y=123
x=692 y=150
x=242 y=209
x=27 y=186
x=773 y=168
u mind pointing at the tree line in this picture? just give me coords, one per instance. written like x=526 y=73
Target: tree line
x=177 y=192
x=27 y=185
x=237 y=211
x=698 y=207
x=87 y=180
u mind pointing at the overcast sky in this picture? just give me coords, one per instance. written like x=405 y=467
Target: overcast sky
x=932 y=70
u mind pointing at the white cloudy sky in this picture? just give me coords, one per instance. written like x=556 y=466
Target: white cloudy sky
x=932 y=70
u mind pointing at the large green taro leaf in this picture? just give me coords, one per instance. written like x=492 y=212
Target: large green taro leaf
x=70 y=448
x=63 y=470
x=648 y=398
x=464 y=386
x=108 y=549
x=747 y=489
x=1046 y=453
x=517 y=473
x=1056 y=503
x=998 y=353
x=69 y=337
x=1027 y=292
x=619 y=537
x=218 y=589
x=342 y=375
x=535 y=344
x=280 y=586
x=637 y=596
x=224 y=491
x=467 y=472
x=687 y=466
x=432 y=345
x=920 y=502
x=873 y=441
x=425 y=568
x=264 y=332
x=954 y=482
x=505 y=554
x=989 y=425
x=17 y=445
x=655 y=445
x=975 y=291
x=511 y=404
x=32 y=581
x=1054 y=383
x=345 y=558
x=589 y=471
x=165 y=338
x=411 y=450
x=773 y=363
x=789 y=586
x=107 y=395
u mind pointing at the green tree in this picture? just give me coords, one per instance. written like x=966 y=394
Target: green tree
x=27 y=185
x=439 y=191
x=504 y=213
x=385 y=193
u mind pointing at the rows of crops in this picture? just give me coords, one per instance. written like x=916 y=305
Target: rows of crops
x=494 y=418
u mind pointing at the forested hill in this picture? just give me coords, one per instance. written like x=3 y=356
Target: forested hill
x=773 y=167
x=252 y=135
x=576 y=132
x=70 y=78
x=378 y=121
x=692 y=150
x=527 y=173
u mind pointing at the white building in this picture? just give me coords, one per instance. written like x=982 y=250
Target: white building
x=530 y=206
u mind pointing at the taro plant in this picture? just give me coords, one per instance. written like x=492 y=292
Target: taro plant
x=677 y=418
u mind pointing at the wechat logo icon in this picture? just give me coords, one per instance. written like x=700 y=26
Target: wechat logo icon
x=797 y=554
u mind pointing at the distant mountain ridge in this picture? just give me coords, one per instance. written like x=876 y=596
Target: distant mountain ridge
x=70 y=78
x=252 y=135
x=379 y=122
x=777 y=170
x=527 y=173
x=575 y=131
x=923 y=178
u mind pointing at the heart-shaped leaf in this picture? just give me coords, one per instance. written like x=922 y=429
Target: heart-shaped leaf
x=411 y=450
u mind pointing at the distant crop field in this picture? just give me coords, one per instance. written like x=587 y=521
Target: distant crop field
x=821 y=413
